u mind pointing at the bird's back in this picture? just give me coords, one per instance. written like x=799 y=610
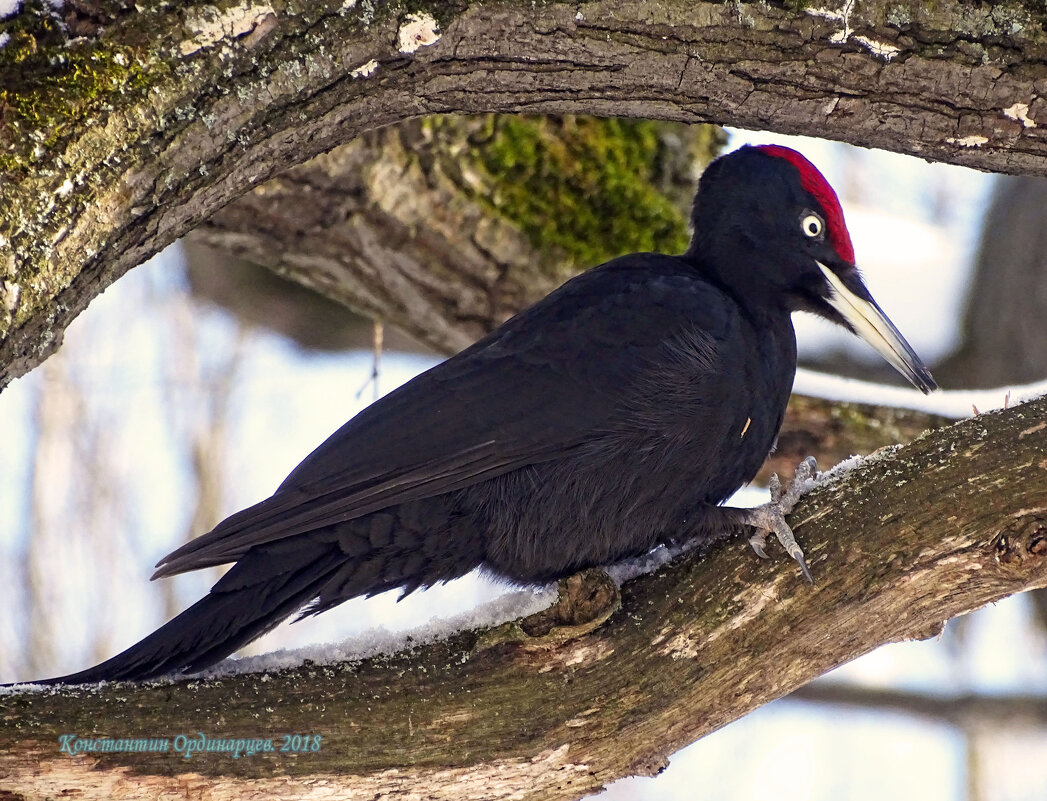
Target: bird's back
x=695 y=419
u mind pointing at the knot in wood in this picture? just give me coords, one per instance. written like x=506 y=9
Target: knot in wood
x=1029 y=539
x=1034 y=535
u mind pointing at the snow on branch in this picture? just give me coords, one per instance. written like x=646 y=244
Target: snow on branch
x=615 y=680
x=953 y=403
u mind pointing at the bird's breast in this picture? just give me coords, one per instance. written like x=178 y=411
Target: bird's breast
x=768 y=381
x=703 y=420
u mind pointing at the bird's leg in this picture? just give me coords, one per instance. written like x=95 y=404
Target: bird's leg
x=770 y=518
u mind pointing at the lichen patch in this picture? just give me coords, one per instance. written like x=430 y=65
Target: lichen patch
x=417 y=31
x=365 y=70
x=1019 y=112
x=210 y=25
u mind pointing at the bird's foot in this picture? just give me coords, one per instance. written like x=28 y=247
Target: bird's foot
x=585 y=601
x=770 y=518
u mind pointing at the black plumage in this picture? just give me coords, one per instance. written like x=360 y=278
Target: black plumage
x=613 y=415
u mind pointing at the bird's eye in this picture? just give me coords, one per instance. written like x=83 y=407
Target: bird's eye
x=812 y=225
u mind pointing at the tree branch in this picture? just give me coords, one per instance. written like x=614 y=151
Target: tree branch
x=445 y=227
x=832 y=431
x=1002 y=711
x=116 y=144
x=909 y=538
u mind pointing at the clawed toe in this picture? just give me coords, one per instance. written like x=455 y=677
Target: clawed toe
x=758 y=541
x=804 y=477
x=770 y=518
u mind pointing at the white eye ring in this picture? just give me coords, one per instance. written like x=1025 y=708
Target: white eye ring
x=812 y=225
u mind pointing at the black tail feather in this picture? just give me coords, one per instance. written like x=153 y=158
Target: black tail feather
x=405 y=547
x=215 y=626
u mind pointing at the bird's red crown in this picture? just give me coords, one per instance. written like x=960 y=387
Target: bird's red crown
x=815 y=183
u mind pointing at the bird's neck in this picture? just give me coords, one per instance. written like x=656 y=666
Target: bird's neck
x=758 y=298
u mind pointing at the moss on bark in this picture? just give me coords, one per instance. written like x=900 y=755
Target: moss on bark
x=587 y=189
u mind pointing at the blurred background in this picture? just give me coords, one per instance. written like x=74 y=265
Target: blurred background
x=191 y=387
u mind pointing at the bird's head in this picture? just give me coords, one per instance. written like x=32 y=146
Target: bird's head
x=770 y=229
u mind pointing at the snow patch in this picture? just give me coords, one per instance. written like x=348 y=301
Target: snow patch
x=510 y=606
x=627 y=569
x=1019 y=112
x=8 y=8
x=880 y=49
x=210 y=26
x=417 y=31
x=365 y=70
x=968 y=141
x=954 y=403
x=5 y=37
x=839 y=469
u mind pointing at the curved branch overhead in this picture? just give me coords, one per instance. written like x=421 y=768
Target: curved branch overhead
x=115 y=144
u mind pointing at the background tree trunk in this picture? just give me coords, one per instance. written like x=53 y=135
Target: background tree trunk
x=1003 y=341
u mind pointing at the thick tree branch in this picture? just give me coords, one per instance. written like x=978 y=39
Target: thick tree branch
x=445 y=227
x=832 y=431
x=114 y=145
x=997 y=711
x=907 y=539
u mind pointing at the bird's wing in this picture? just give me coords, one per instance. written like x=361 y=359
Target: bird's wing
x=540 y=386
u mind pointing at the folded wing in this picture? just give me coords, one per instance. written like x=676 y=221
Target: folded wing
x=532 y=391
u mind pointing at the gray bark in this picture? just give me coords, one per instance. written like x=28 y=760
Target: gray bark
x=1003 y=340
x=115 y=145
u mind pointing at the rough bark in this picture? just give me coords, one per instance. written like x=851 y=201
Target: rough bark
x=554 y=708
x=154 y=118
x=445 y=227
